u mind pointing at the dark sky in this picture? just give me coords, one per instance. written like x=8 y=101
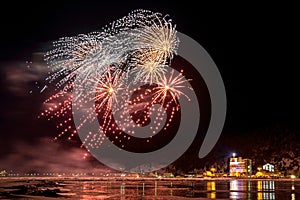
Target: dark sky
x=253 y=45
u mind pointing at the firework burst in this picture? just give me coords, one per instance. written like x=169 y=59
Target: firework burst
x=140 y=45
x=159 y=41
x=107 y=88
x=150 y=71
x=170 y=86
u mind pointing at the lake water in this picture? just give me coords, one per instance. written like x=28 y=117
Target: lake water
x=144 y=188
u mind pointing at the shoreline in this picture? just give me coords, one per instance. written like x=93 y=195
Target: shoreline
x=91 y=178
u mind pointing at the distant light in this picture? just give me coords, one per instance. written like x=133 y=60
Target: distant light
x=293 y=176
x=233 y=154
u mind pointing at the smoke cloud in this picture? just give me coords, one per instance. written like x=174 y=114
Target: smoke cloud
x=46 y=156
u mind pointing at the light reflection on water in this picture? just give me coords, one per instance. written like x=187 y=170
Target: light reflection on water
x=153 y=189
x=265 y=189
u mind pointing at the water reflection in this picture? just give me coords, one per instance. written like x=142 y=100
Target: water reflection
x=140 y=188
x=265 y=189
x=211 y=188
x=240 y=189
x=293 y=196
x=237 y=189
x=122 y=189
x=152 y=189
x=155 y=188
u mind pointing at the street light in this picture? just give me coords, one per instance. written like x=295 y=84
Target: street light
x=213 y=169
x=259 y=168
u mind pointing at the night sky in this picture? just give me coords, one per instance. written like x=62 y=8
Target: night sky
x=254 y=47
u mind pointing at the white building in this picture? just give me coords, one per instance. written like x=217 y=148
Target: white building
x=268 y=167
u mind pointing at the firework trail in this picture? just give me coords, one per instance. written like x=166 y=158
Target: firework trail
x=105 y=62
